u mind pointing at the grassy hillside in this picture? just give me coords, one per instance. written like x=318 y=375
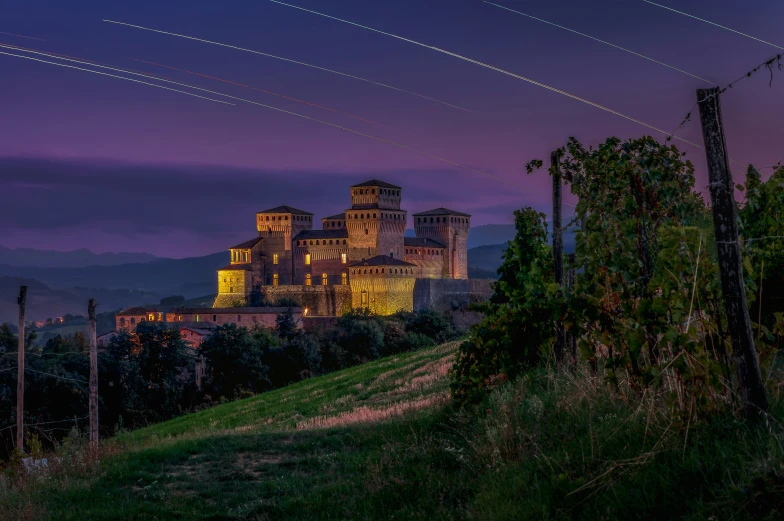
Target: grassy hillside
x=382 y=441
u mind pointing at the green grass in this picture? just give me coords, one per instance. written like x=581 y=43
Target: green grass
x=546 y=447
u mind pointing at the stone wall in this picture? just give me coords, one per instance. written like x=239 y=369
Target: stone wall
x=449 y=294
x=319 y=300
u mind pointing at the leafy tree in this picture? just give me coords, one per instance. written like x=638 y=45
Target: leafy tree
x=235 y=358
x=517 y=330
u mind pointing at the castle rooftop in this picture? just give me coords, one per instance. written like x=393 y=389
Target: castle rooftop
x=341 y=215
x=382 y=260
x=242 y=266
x=286 y=209
x=376 y=182
x=247 y=244
x=441 y=211
x=419 y=242
x=322 y=234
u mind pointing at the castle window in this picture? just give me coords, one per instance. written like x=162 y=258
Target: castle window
x=330 y=242
x=179 y=318
x=374 y=216
x=431 y=220
x=287 y=217
x=382 y=270
x=133 y=320
x=307 y=279
x=214 y=318
x=366 y=231
x=245 y=256
x=224 y=279
x=231 y=289
x=365 y=272
x=342 y=258
x=364 y=298
x=151 y=317
x=275 y=280
x=274 y=258
x=267 y=219
x=273 y=217
x=317 y=242
x=323 y=279
x=197 y=318
x=122 y=322
x=373 y=191
x=355 y=216
x=344 y=242
x=307 y=258
x=362 y=216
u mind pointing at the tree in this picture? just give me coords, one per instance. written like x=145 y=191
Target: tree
x=236 y=361
x=517 y=330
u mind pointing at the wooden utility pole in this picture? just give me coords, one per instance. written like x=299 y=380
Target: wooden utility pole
x=725 y=226
x=20 y=367
x=93 y=375
x=571 y=280
x=555 y=172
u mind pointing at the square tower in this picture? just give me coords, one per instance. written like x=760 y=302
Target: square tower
x=449 y=228
x=375 y=222
x=278 y=226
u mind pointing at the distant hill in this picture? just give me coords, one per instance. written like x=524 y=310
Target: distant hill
x=190 y=277
x=485 y=260
x=44 y=302
x=68 y=259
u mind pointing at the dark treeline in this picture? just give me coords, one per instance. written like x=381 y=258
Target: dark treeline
x=149 y=375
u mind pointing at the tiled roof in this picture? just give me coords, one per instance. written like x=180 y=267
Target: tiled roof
x=235 y=311
x=247 y=244
x=382 y=260
x=286 y=209
x=376 y=182
x=421 y=242
x=442 y=211
x=138 y=310
x=336 y=216
x=322 y=234
x=236 y=267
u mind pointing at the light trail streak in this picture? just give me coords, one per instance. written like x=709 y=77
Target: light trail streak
x=112 y=76
x=293 y=61
x=260 y=90
x=497 y=69
x=712 y=23
x=346 y=129
x=602 y=41
x=23 y=36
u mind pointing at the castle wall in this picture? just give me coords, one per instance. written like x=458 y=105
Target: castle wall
x=448 y=294
x=319 y=300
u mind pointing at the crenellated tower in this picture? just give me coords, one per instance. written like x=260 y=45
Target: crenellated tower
x=278 y=226
x=375 y=223
x=449 y=228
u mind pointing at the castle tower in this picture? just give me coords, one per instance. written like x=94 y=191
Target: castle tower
x=449 y=228
x=278 y=226
x=375 y=222
x=383 y=284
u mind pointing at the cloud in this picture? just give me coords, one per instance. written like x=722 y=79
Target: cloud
x=193 y=208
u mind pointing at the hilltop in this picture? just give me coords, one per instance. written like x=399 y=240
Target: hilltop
x=383 y=441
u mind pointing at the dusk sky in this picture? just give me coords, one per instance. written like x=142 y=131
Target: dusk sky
x=98 y=162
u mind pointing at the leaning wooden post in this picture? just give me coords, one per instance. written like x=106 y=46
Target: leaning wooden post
x=555 y=172
x=571 y=280
x=93 y=375
x=20 y=368
x=725 y=226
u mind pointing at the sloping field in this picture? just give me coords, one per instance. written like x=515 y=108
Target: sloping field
x=301 y=452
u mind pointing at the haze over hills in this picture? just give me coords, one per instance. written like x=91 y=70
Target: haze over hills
x=68 y=259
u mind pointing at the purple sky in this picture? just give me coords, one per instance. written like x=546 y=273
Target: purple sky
x=113 y=166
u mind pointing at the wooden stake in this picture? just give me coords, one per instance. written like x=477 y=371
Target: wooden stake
x=725 y=226
x=555 y=172
x=20 y=367
x=571 y=279
x=93 y=375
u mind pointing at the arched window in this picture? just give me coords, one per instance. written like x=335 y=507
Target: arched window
x=133 y=320
x=373 y=191
x=267 y=219
x=311 y=242
x=307 y=279
x=330 y=242
x=324 y=279
x=355 y=216
x=365 y=273
x=344 y=242
x=317 y=242
x=382 y=270
x=362 y=216
x=431 y=220
x=344 y=278
x=275 y=279
x=374 y=216
x=366 y=231
x=122 y=322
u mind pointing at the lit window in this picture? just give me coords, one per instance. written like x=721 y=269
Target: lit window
x=343 y=258
x=343 y=278
x=274 y=258
x=197 y=318
x=179 y=318
x=275 y=279
x=323 y=279
x=151 y=317
x=307 y=279
x=307 y=258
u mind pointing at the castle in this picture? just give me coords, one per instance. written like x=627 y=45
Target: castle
x=359 y=259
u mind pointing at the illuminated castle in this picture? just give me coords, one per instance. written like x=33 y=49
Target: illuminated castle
x=359 y=259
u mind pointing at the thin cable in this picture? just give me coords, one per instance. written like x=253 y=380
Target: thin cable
x=492 y=67
x=112 y=76
x=712 y=23
x=55 y=376
x=604 y=42
x=293 y=61
x=346 y=129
